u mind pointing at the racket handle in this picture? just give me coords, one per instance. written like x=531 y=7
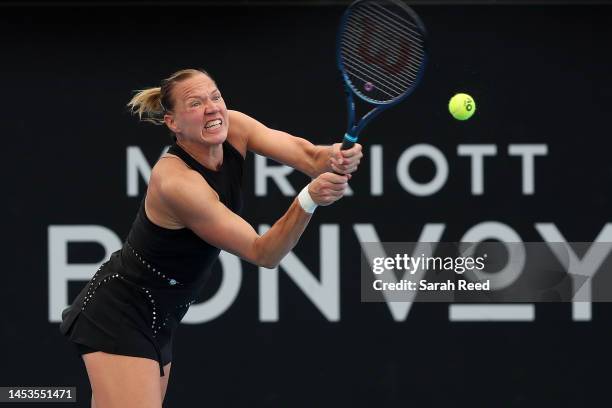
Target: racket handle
x=348 y=141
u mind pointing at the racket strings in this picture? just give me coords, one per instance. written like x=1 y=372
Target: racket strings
x=385 y=33
x=376 y=29
x=384 y=36
x=391 y=87
x=407 y=27
x=381 y=51
x=394 y=87
x=410 y=72
x=399 y=56
x=381 y=86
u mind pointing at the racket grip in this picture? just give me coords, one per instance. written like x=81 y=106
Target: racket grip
x=348 y=141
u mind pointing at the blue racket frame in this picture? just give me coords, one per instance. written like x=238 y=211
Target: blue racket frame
x=354 y=129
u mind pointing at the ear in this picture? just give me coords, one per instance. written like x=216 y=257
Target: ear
x=171 y=123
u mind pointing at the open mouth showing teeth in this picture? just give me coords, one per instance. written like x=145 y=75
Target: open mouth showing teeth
x=213 y=124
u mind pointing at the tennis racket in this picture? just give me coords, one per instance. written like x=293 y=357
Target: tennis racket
x=381 y=52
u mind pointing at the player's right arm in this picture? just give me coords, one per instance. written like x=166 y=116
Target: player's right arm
x=192 y=202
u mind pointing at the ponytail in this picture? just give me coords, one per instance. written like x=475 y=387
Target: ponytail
x=148 y=105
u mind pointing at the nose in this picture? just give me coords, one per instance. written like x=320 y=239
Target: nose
x=211 y=107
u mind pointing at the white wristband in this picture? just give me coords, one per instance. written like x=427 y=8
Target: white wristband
x=306 y=201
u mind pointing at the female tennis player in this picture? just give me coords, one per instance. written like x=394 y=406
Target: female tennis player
x=124 y=320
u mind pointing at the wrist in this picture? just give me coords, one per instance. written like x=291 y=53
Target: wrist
x=328 y=161
x=306 y=201
x=322 y=159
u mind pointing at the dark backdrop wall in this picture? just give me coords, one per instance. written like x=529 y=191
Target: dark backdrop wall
x=77 y=162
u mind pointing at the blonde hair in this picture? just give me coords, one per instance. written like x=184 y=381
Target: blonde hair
x=152 y=104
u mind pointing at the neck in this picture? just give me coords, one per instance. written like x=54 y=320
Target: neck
x=209 y=156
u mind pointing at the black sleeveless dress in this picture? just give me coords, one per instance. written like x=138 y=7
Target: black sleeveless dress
x=136 y=300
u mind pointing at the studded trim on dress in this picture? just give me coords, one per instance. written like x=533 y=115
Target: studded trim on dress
x=170 y=281
x=93 y=286
x=154 y=325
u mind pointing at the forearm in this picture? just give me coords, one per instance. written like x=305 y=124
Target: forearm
x=272 y=246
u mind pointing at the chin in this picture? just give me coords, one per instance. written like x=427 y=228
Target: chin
x=215 y=138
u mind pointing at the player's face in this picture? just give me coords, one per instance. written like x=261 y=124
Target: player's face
x=200 y=114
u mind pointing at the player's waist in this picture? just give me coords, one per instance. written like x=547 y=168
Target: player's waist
x=143 y=271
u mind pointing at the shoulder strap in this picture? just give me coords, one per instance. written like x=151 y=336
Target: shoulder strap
x=177 y=150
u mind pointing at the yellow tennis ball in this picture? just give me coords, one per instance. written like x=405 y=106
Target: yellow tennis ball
x=462 y=106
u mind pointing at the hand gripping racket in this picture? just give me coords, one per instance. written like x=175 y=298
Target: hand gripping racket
x=381 y=52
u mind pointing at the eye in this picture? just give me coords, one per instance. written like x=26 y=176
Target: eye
x=216 y=97
x=194 y=104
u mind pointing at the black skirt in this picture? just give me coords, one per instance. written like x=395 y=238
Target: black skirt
x=124 y=309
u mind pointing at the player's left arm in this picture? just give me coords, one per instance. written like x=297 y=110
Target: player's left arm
x=293 y=151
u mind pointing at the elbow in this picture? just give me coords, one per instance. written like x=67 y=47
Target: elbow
x=263 y=257
x=267 y=262
x=269 y=265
